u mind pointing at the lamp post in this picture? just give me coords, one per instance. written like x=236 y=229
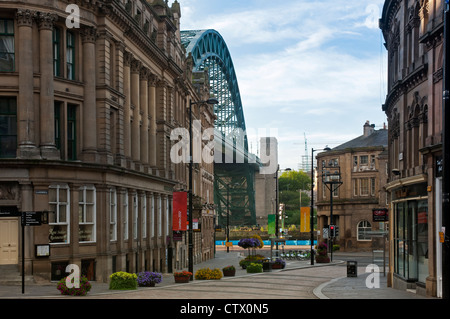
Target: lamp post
x=277 y=201
x=446 y=157
x=331 y=177
x=191 y=243
x=311 y=213
x=228 y=213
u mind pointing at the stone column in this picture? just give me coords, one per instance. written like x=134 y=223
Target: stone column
x=127 y=107
x=144 y=111
x=47 y=104
x=89 y=35
x=135 y=101
x=152 y=110
x=25 y=111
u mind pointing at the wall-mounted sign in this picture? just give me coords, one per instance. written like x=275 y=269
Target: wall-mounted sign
x=43 y=250
x=380 y=215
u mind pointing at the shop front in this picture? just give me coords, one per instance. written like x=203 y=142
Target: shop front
x=410 y=236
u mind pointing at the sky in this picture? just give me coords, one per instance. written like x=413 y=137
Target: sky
x=309 y=71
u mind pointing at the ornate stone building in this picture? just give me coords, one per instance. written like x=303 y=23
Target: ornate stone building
x=413 y=32
x=86 y=112
x=362 y=164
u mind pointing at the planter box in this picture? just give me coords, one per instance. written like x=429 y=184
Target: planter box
x=277 y=266
x=183 y=279
x=229 y=273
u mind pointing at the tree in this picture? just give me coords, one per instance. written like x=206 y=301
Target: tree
x=290 y=184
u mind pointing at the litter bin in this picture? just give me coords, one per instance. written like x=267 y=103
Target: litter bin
x=352 y=268
x=267 y=265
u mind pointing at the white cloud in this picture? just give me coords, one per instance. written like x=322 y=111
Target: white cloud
x=294 y=69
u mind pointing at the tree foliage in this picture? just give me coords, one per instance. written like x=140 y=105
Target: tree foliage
x=293 y=187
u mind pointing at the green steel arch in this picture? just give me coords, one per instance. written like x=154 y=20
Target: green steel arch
x=234 y=191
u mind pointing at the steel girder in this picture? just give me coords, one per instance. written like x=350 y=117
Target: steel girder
x=209 y=52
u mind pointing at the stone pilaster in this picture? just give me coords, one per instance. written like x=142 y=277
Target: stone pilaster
x=89 y=36
x=47 y=109
x=26 y=110
x=135 y=102
x=144 y=74
x=152 y=110
x=128 y=57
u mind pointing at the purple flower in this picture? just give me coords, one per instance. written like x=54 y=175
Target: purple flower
x=146 y=277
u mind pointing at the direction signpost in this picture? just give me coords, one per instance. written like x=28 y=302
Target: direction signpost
x=30 y=219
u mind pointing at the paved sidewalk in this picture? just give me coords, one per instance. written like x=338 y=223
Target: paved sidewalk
x=340 y=287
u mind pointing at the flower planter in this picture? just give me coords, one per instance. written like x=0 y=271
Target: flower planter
x=229 y=273
x=182 y=280
x=277 y=266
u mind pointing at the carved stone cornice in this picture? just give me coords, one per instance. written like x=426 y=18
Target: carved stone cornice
x=25 y=17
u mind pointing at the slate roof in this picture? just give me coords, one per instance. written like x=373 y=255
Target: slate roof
x=377 y=138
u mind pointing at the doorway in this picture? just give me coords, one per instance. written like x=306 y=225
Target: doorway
x=9 y=241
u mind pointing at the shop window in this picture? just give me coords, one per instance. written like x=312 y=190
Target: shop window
x=152 y=216
x=144 y=217
x=8 y=127
x=58 y=270
x=7 y=46
x=87 y=214
x=135 y=216
x=363 y=228
x=59 y=221
x=411 y=240
x=112 y=215
x=125 y=215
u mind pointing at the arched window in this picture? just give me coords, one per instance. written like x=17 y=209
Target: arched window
x=363 y=227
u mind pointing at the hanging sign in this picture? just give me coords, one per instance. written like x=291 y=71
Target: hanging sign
x=179 y=221
x=380 y=215
x=271 y=224
x=305 y=222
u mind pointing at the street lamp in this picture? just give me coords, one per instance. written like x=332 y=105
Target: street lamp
x=277 y=200
x=311 y=214
x=191 y=244
x=331 y=177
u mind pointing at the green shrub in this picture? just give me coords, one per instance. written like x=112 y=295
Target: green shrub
x=254 y=268
x=123 y=281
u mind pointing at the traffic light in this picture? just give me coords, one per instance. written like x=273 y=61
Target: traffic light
x=332 y=230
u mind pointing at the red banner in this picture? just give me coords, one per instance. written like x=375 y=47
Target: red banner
x=179 y=222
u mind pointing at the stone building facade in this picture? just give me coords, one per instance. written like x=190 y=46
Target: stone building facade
x=413 y=32
x=85 y=120
x=362 y=164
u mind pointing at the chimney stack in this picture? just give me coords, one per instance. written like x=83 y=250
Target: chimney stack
x=368 y=128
